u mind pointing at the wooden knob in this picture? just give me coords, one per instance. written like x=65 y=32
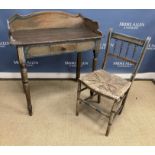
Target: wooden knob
x=63 y=48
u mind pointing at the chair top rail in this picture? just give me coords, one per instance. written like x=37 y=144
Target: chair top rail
x=128 y=38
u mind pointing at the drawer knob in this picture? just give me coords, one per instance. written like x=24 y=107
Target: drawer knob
x=63 y=48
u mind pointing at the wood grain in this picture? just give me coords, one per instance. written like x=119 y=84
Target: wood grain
x=44 y=20
x=44 y=27
x=39 y=36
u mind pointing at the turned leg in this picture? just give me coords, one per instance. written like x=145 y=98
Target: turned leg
x=78 y=65
x=111 y=117
x=95 y=54
x=122 y=105
x=24 y=76
x=98 y=98
x=78 y=98
x=91 y=93
x=123 y=102
x=109 y=124
x=28 y=97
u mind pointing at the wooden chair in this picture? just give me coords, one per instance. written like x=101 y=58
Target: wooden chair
x=102 y=83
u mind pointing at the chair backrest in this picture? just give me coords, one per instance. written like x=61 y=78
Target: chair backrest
x=125 y=48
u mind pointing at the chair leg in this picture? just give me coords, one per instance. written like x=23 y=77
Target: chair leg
x=91 y=93
x=123 y=104
x=109 y=124
x=111 y=117
x=122 y=107
x=98 y=98
x=78 y=97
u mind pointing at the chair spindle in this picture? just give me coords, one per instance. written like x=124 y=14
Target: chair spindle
x=121 y=47
x=134 y=51
x=126 y=52
x=115 y=45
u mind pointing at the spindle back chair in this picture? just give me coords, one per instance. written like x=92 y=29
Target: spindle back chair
x=102 y=83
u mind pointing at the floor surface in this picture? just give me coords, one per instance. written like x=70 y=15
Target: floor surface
x=54 y=121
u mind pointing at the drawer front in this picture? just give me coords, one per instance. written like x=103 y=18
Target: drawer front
x=63 y=48
x=36 y=51
x=54 y=49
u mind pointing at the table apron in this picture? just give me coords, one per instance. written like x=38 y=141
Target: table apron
x=55 y=49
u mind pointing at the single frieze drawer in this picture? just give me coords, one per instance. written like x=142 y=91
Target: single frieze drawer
x=43 y=50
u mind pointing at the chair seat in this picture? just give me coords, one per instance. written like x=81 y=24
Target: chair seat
x=106 y=84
